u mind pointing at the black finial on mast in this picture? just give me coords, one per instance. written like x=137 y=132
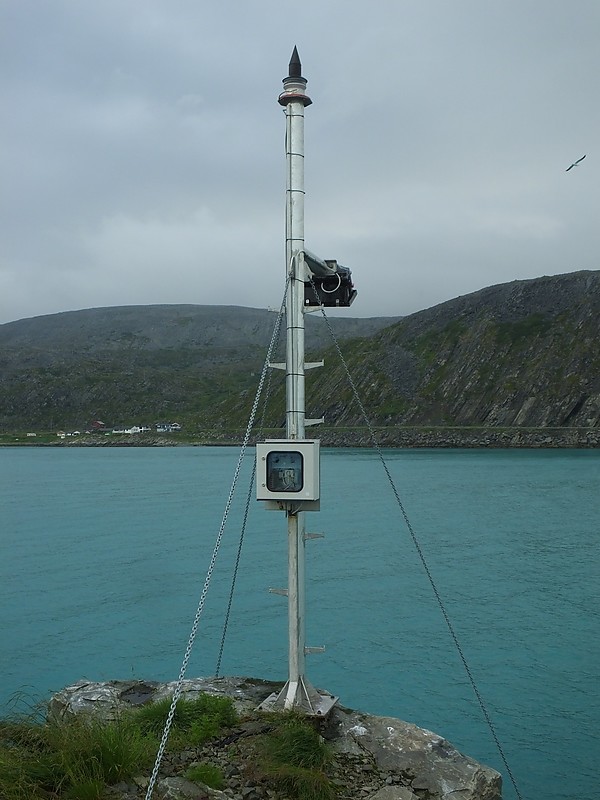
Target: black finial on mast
x=294 y=85
x=295 y=70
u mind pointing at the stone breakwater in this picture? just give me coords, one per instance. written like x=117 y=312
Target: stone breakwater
x=375 y=758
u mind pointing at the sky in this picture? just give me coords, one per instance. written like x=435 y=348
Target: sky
x=142 y=153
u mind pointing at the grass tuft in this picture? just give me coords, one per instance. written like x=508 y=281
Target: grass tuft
x=76 y=758
x=292 y=758
x=194 y=722
x=295 y=742
x=207 y=774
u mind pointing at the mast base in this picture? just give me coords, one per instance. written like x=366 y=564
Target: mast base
x=302 y=696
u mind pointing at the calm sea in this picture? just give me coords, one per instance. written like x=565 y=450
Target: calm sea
x=105 y=551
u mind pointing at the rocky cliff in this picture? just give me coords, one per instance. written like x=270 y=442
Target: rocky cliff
x=376 y=758
x=522 y=354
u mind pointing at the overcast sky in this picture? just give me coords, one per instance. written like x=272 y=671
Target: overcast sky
x=143 y=161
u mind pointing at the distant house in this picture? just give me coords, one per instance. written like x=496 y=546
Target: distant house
x=167 y=427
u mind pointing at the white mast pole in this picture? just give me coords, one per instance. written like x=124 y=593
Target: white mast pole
x=304 y=465
x=297 y=693
x=294 y=99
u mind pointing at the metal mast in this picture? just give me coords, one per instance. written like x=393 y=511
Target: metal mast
x=297 y=693
x=294 y=98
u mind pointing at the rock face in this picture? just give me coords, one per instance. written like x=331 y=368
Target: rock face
x=436 y=768
x=376 y=758
x=518 y=355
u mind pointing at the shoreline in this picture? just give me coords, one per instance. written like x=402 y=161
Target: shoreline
x=386 y=437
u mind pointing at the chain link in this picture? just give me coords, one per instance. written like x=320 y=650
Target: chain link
x=200 y=608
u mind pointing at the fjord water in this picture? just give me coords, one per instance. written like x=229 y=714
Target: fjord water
x=105 y=552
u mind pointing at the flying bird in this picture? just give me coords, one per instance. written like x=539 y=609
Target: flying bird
x=575 y=163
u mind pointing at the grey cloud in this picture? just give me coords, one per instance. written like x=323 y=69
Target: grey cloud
x=144 y=140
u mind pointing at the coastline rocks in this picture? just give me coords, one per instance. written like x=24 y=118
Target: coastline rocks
x=393 y=436
x=108 y=699
x=484 y=438
x=375 y=758
x=435 y=766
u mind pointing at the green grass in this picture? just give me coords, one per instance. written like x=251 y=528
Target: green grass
x=296 y=743
x=77 y=758
x=207 y=774
x=194 y=722
x=69 y=759
x=292 y=759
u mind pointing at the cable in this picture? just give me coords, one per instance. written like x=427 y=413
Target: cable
x=243 y=530
x=420 y=554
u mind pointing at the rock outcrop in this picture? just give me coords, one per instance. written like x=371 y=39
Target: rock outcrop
x=376 y=758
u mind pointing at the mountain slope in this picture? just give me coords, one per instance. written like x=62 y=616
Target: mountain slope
x=141 y=363
x=523 y=354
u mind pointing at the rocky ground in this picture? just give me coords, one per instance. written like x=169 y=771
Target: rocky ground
x=354 y=777
x=374 y=758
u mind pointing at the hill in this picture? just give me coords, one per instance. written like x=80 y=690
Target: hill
x=522 y=354
x=141 y=364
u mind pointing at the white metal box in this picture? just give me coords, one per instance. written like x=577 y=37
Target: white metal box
x=287 y=469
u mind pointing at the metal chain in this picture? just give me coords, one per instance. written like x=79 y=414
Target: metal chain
x=200 y=609
x=419 y=550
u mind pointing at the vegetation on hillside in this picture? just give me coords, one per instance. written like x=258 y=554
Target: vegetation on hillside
x=523 y=354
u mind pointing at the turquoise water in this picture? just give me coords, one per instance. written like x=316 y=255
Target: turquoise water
x=104 y=555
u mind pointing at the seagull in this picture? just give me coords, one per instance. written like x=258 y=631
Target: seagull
x=575 y=163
